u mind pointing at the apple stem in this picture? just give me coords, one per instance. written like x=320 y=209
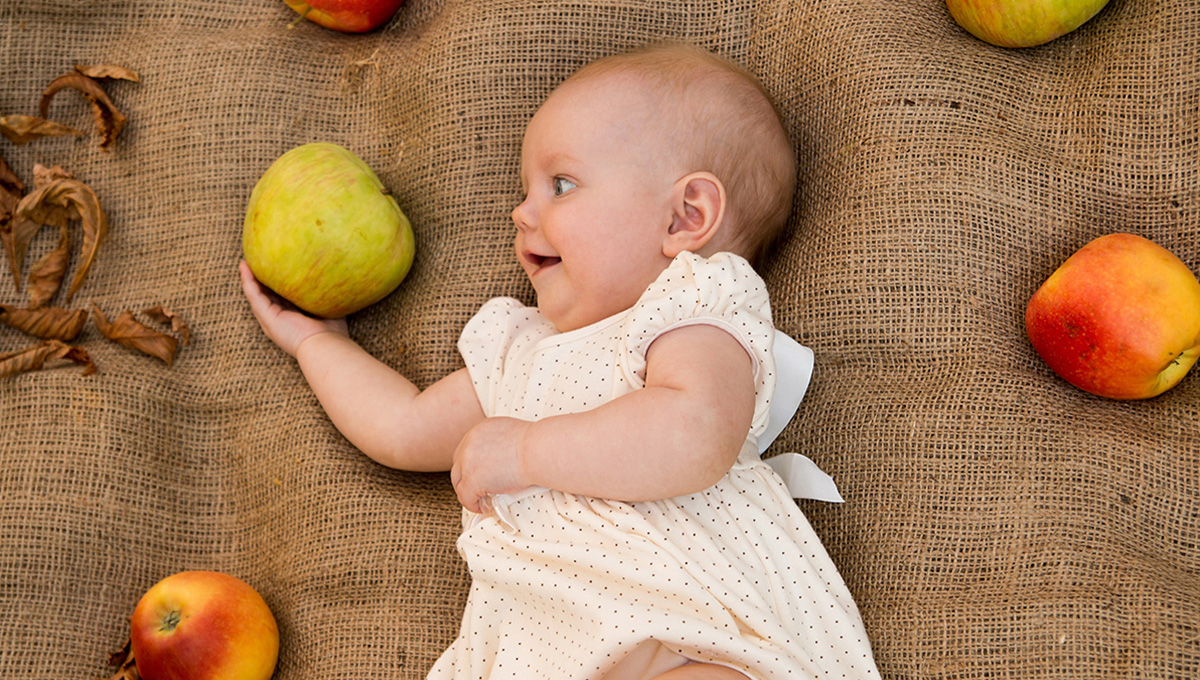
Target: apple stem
x=172 y=619
x=300 y=18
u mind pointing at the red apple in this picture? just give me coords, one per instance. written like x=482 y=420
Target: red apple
x=1022 y=23
x=203 y=625
x=1120 y=318
x=347 y=16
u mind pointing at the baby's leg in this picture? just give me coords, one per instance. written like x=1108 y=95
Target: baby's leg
x=701 y=671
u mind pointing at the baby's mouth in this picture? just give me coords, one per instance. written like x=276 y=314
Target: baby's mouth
x=541 y=262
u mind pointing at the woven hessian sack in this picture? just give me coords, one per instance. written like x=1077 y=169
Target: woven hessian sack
x=999 y=523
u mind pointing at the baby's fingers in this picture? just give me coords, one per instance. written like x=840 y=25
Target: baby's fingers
x=260 y=298
x=468 y=494
x=264 y=304
x=278 y=319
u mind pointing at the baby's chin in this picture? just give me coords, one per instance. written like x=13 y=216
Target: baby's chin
x=563 y=320
x=560 y=324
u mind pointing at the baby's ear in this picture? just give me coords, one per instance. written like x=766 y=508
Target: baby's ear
x=697 y=210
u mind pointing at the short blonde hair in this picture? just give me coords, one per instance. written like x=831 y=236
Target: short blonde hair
x=730 y=128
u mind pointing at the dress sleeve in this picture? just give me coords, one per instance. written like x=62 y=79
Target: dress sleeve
x=722 y=291
x=484 y=345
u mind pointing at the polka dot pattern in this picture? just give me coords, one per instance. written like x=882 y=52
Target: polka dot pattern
x=587 y=588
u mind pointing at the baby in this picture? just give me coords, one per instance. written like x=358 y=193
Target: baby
x=618 y=521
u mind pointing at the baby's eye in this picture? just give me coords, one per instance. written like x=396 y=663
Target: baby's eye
x=562 y=185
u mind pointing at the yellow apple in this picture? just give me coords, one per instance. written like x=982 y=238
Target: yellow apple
x=203 y=625
x=322 y=231
x=1120 y=318
x=1022 y=23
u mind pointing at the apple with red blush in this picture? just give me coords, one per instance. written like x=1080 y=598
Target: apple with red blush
x=1022 y=23
x=202 y=625
x=347 y=16
x=1120 y=318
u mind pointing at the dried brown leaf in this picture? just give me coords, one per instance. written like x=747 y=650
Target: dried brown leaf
x=163 y=315
x=125 y=663
x=35 y=358
x=58 y=196
x=21 y=130
x=9 y=180
x=109 y=71
x=48 y=323
x=11 y=191
x=43 y=175
x=109 y=121
x=23 y=231
x=29 y=216
x=132 y=333
x=44 y=212
x=46 y=275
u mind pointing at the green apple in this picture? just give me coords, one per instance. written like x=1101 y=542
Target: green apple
x=1022 y=23
x=323 y=232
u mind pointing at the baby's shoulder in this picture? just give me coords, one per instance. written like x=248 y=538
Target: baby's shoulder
x=694 y=285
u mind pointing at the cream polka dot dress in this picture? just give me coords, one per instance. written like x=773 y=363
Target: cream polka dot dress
x=573 y=587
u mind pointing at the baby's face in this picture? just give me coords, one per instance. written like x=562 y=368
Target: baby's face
x=591 y=228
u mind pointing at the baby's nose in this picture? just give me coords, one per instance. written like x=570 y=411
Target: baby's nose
x=522 y=215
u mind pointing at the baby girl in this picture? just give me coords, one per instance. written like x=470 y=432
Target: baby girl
x=618 y=521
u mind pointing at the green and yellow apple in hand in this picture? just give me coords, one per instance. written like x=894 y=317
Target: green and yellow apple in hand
x=1022 y=23
x=347 y=16
x=1120 y=318
x=324 y=233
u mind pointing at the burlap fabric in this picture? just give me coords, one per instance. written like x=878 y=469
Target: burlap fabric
x=1000 y=523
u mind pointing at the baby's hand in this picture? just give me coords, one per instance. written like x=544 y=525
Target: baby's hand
x=285 y=325
x=486 y=461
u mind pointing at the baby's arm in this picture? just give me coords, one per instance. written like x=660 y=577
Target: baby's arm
x=678 y=435
x=380 y=411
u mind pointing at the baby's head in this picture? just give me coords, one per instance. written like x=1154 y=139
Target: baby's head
x=636 y=158
x=713 y=115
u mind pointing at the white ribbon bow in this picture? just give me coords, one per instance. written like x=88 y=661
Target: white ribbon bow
x=793 y=372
